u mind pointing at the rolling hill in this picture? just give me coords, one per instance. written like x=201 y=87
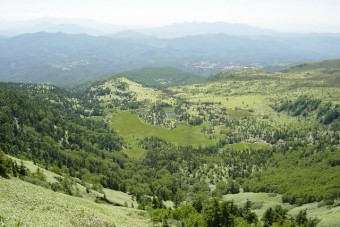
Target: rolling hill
x=70 y=59
x=160 y=77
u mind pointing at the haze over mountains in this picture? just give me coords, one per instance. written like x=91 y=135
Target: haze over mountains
x=61 y=55
x=65 y=25
x=77 y=26
x=232 y=123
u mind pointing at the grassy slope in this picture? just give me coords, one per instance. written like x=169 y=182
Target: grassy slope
x=50 y=176
x=328 y=216
x=116 y=197
x=142 y=93
x=36 y=206
x=330 y=64
x=254 y=89
x=261 y=201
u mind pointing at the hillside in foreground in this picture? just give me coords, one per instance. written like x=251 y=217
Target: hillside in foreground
x=32 y=205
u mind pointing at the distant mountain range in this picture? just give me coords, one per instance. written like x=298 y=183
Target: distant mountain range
x=48 y=27
x=90 y=27
x=199 y=28
x=78 y=26
x=68 y=59
x=64 y=25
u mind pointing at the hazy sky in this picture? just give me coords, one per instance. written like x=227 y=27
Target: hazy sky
x=284 y=15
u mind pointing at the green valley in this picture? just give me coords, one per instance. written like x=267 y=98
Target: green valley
x=241 y=148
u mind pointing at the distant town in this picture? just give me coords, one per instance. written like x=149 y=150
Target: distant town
x=221 y=66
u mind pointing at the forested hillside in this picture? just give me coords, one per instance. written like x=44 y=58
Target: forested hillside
x=44 y=124
x=182 y=152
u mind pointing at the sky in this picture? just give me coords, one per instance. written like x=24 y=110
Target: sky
x=280 y=15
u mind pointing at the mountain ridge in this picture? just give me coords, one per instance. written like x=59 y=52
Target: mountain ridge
x=62 y=59
x=200 y=28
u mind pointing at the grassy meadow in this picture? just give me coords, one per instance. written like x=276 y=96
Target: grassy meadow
x=133 y=129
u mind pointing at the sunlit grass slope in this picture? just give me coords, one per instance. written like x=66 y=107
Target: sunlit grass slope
x=31 y=205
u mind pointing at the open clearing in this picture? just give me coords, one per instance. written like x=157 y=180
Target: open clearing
x=133 y=129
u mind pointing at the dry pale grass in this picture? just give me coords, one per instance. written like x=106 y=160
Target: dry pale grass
x=32 y=205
